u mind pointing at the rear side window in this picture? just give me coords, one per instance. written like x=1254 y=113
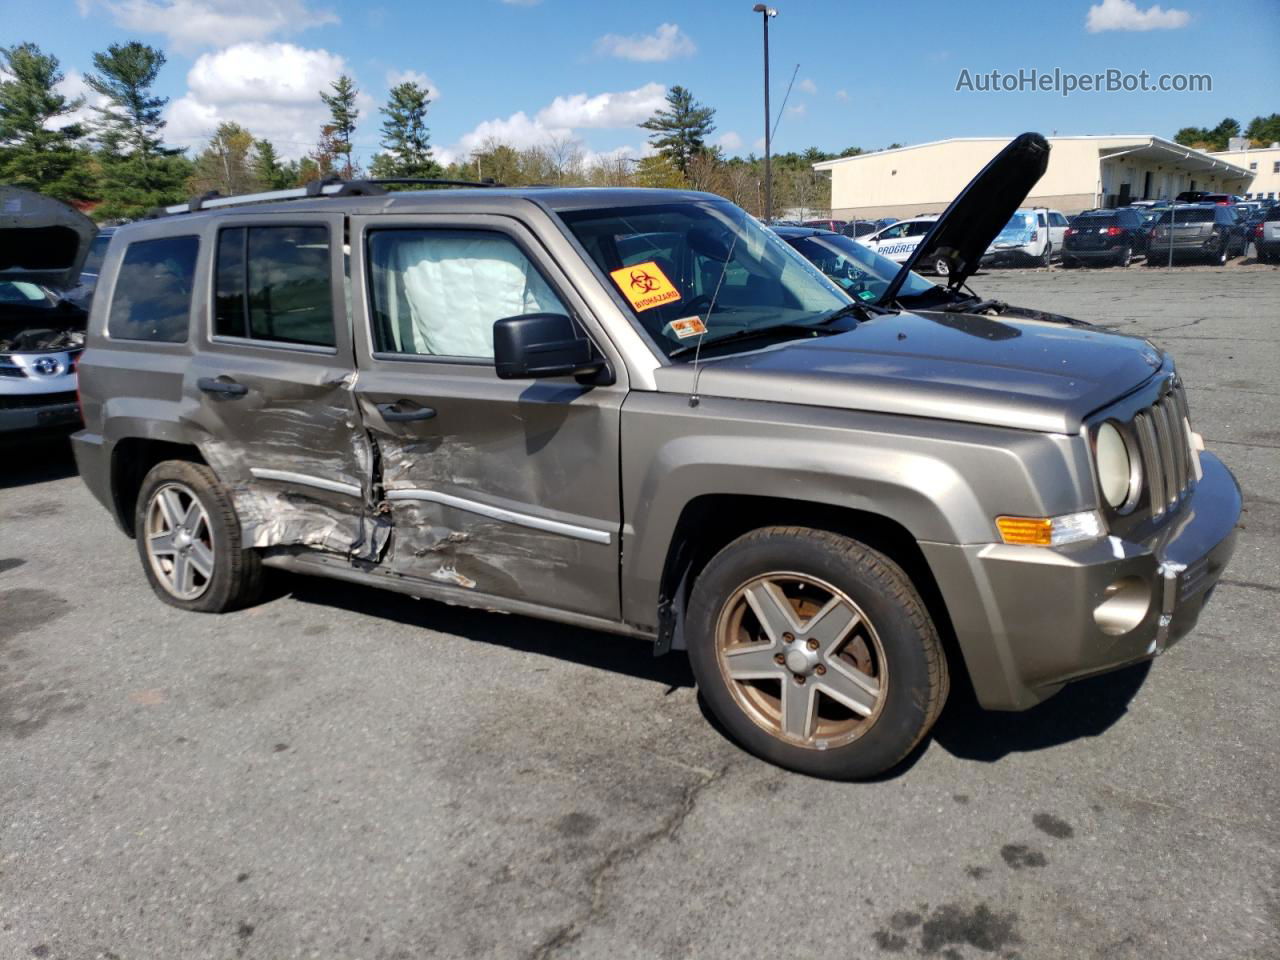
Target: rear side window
x=152 y=297
x=920 y=228
x=274 y=284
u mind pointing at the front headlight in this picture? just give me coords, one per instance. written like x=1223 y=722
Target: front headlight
x=1118 y=475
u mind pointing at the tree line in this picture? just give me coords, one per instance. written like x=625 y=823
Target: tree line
x=1261 y=132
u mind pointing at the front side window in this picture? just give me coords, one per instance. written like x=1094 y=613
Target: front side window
x=894 y=232
x=274 y=284
x=724 y=274
x=439 y=292
x=152 y=298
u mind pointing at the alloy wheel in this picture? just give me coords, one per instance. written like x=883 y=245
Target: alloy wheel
x=802 y=660
x=179 y=541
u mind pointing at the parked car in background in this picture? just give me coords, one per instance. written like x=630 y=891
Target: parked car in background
x=42 y=333
x=1104 y=236
x=1204 y=196
x=1032 y=236
x=835 y=226
x=1204 y=231
x=861 y=228
x=1266 y=236
x=857 y=269
x=641 y=412
x=899 y=240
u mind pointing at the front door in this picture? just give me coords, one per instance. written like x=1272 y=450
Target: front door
x=271 y=384
x=508 y=488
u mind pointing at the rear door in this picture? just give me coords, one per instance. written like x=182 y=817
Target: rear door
x=507 y=488
x=271 y=384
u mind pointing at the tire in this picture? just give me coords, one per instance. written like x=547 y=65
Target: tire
x=1069 y=263
x=887 y=662
x=942 y=267
x=188 y=538
x=1046 y=258
x=1218 y=257
x=1125 y=257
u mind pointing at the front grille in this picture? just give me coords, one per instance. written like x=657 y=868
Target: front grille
x=1165 y=442
x=27 y=401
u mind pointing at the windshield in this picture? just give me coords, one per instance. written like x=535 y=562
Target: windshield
x=27 y=294
x=861 y=272
x=670 y=262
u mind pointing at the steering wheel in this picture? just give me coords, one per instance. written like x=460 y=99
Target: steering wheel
x=697 y=305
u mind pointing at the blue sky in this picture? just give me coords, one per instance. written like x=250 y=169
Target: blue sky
x=528 y=70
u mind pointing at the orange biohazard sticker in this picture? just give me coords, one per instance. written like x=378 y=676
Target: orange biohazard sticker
x=645 y=285
x=686 y=327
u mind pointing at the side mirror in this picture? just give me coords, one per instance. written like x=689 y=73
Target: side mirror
x=543 y=345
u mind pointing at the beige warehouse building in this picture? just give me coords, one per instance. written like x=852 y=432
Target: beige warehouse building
x=1262 y=162
x=1083 y=173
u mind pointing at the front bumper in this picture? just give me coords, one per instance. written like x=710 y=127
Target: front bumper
x=60 y=415
x=1025 y=616
x=1022 y=255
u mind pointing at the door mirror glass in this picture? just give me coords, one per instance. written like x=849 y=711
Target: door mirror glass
x=542 y=345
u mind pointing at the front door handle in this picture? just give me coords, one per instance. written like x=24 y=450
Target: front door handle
x=225 y=387
x=392 y=414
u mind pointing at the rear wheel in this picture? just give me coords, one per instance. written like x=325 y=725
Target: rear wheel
x=942 y=266
x=1046 y=258
x=1124 y=257
x=1069 y=263
x=815 y=652
x=188 y=537
x=1217 y=255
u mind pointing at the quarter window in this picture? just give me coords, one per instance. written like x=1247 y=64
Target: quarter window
x=275 y=284
x=152 y=297
x=438 y=292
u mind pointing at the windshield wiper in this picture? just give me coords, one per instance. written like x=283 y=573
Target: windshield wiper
x=861 y=310
x=754 y=333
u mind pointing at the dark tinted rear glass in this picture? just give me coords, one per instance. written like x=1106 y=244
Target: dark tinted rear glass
x=152 y=298
x=1198 y=215
x=273 y=283
x=1096 y=220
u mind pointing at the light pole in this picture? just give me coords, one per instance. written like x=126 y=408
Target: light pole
x=765 y=13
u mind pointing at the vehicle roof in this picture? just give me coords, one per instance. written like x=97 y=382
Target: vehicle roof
x=461 y=200
x=784 y=231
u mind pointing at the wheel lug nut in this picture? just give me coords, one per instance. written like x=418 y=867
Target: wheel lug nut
x=800 y=679
x=779 y=658
x=812 y=644
x=820 y=670
x=788 y=638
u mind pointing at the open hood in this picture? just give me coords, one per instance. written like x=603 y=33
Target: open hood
x=974 y=218
x=42 y=240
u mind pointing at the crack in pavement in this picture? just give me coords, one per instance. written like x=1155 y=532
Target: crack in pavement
x=598 y=877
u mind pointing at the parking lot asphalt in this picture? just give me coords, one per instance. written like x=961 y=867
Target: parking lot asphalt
x=346 y=773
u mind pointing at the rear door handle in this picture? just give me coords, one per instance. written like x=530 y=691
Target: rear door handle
x=227 y=388
x=392 y=414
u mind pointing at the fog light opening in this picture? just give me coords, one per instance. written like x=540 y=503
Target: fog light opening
x=1126 y=604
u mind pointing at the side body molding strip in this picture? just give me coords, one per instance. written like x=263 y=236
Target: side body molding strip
x=500 y=513
x=306 y=480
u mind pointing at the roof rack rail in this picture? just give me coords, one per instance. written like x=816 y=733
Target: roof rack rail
x=327 y=187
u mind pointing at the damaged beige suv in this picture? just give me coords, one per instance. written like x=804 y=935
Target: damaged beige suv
x=641 y=411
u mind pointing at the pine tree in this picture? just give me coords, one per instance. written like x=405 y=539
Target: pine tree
x=272 y=173
x=404 y=135
x=138 y=172
x=680 y=132
x=35 y=152
x=342 y=118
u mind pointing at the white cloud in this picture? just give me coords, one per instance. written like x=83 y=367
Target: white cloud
x=799 y=110
x=1125 y=15
x=397 y=77
x=842 y=94
x=560 y=120
x=604 y=110
x=73 y=87
x=665 y=43
x=271 y=89
x=807 y=86
x=191 y=24
x=730 y=141
x=759 y=144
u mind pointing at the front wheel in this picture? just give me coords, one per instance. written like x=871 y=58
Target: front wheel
x=188 y=537
x=942 y=266
x=815 y=652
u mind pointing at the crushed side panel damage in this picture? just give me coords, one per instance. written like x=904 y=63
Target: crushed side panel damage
x=309 y=431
